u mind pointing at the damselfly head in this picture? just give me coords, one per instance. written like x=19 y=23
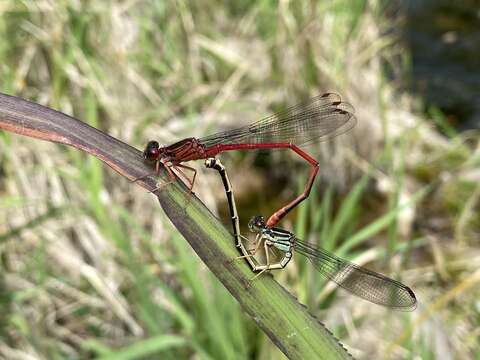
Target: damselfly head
x=257 y=224
x=152 y=150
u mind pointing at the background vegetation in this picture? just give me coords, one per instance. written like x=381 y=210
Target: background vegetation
x=91 y=267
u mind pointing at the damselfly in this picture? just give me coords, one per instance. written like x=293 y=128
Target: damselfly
x=318 y=119
x=364 y=283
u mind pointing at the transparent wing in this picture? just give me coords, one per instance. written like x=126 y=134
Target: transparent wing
x=362 y=282
x=317 y=119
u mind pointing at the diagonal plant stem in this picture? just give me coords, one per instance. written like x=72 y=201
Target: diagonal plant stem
x=297 y=333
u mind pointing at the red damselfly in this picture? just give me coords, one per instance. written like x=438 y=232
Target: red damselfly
x=318 y=119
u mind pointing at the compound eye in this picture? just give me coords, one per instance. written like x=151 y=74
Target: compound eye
x=152 y=150
x=259 y=221
x=256 y=223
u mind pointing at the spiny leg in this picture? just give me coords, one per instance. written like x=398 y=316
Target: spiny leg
x=191 y=183
x=170 y=174
x=268 y=262
x=255 y=250
x=154 y=173
x=184 y=176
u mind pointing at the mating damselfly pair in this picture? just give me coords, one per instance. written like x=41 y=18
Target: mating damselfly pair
x=318 y=119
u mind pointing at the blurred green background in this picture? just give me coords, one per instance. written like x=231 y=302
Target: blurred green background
x=91 y=267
